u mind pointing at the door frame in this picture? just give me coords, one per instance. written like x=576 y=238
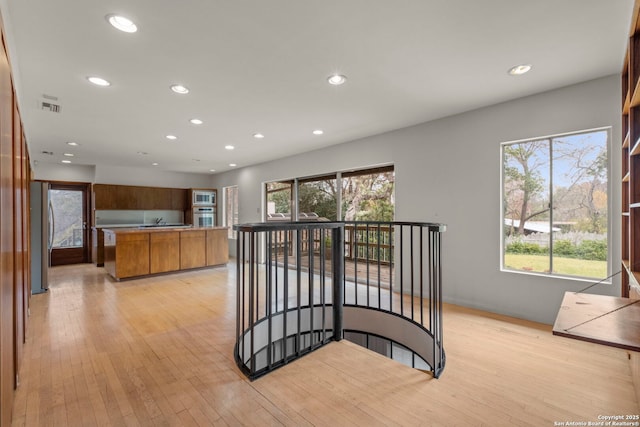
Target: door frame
x=75 y=255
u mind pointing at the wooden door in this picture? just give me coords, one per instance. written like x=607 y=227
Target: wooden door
x=69 y=210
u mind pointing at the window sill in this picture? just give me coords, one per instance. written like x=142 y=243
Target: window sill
x=606 y=281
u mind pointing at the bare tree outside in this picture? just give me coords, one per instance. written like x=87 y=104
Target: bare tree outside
x=555 y=204
x=369 y=196
x=67 y=216
x=366 y=196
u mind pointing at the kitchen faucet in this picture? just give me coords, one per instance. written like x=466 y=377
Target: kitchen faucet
x=158 y=220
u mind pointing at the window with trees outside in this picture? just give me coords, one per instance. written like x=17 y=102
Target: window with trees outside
x=231 y=209
x=554 y=205
x=361 y=195
x=318 y=196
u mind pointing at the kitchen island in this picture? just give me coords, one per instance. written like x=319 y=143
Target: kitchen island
x=136 y=252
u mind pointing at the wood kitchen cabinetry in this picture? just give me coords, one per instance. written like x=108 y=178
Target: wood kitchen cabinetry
x=193 y=247
x=132 y=252
x=179 y=199
x=104 y=196
x=97 y=247
x=164 y=251
x=217 y=246
x=125 y=197
x=127 y=254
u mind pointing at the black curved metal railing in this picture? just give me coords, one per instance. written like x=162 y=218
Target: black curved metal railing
x=301 y=285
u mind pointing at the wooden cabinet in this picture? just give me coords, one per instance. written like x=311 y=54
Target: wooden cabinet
x=631 y=162
x=97 y=247
x=131 y=253
x=164 y=251
x=128 y=197
x=217 y=247
x=179 y=199
x=126 y=254
x=104 y=196
x=193 y=249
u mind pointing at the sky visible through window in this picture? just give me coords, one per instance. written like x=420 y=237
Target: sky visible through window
x=555 y=204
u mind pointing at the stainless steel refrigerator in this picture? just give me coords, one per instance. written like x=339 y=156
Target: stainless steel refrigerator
x=41 y=235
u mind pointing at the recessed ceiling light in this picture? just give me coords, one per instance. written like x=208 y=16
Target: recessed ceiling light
x=258 y=135
x=154 y=164
x=182 y=90
x=66 y=161
x=98 y=81
x=233 y=165
x=229 y=147
x=318 y=132
x=73 y=144
x=171 y=137
x=518 y=70
x=336 y=79
x=196 y=121
x=212 y=170
x=122 y=23
x=68 y=154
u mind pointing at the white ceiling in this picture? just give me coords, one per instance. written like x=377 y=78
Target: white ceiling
x=261 y=66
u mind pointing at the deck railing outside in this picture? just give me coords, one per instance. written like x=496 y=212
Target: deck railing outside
x=301 y=285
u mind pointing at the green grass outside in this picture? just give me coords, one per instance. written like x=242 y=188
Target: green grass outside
x=570 y=266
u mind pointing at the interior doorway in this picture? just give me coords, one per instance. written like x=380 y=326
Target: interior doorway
x=68 y=214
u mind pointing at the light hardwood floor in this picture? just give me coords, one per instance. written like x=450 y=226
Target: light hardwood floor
x=159 y=351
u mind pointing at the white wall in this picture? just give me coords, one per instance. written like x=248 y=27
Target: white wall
x=120 y=175
x=448 y=171
x=58 y=172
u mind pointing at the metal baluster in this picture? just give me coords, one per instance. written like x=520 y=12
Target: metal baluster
x=367 y=261
x=311 y=239
x=239 y=299
x=411 y=267
x=298 y=288
x=355 y=262
x=421 y=279
x=378 y=256
x=337 y=241
x=391 y=248
x=401 y=270
x=269 y=295
x=251 y=302
x=285 y=311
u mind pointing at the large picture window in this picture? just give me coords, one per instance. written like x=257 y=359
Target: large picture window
x=318 y=197
x=359 y=195
x=554 y=205
x=368 y=195
x=231 y=209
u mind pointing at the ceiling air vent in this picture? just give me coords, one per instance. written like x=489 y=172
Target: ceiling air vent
x=50 y=106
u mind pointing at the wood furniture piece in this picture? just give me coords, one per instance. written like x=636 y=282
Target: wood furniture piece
x=631 y=162
x=193 y=249
x=134 y=252
x=217 y=246
x=599 y=319
x=164 y=251
x=126 y=254
x=97 y=246
x=124 y=197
